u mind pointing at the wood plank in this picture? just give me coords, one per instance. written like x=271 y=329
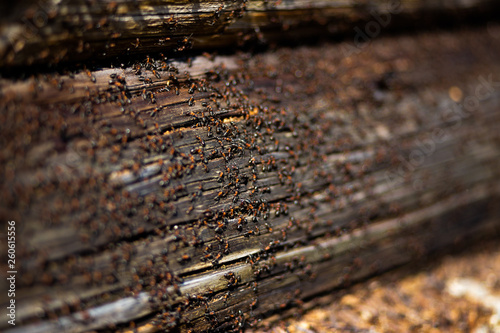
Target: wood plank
x=50 y=32
x=231 y=188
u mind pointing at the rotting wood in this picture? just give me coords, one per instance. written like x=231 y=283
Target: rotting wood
x=204 y=195
x=48 y=32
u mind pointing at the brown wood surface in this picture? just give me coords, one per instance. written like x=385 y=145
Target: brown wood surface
x=204 y=195
x=48 y=32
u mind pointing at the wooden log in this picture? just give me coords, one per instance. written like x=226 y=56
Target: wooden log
x=49 y=32
x=204 y=195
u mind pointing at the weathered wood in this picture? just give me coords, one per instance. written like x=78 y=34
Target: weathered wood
x=204 y=195
x=48 y=32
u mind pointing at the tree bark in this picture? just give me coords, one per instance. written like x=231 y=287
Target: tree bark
x=204 y=195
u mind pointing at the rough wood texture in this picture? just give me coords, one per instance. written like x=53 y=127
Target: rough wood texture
x=47 y=32
x=452 y=293
x=205 y=195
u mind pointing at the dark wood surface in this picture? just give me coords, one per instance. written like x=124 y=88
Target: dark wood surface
x=204 y=195
x=51 y=32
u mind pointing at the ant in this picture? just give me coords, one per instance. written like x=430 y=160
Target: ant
x=154 y=112
x=201 y=140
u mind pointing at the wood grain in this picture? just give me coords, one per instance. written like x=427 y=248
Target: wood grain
x=205 y=195
x=51 y=32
